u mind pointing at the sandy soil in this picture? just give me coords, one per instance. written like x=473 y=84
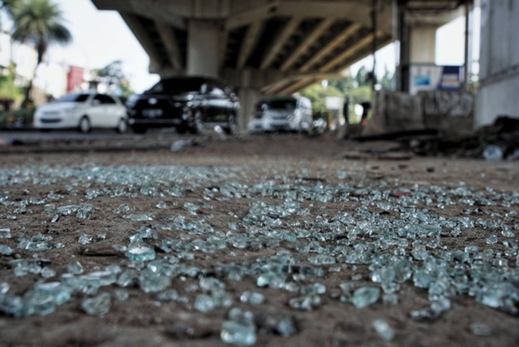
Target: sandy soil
x=142 y=321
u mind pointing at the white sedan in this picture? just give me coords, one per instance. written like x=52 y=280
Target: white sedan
x=82 y=111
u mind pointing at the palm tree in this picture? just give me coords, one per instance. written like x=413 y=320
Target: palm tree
x=8 y=5
x=38 y=22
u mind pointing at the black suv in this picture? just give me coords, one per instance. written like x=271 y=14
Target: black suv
x=186 y=103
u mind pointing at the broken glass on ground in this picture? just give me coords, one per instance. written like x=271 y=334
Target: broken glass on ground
x=390 y=237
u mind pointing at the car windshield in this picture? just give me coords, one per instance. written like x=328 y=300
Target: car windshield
x=282 y=104
x=73 y=98
x=177 y=86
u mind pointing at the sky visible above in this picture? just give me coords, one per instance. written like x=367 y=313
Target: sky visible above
x=101 y=37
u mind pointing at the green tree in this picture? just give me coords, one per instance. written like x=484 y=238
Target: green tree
x=113 y=76
x=361 y=77
x=387 y=80
x=8 y=5
x=317 y=94
x=39 y=23
x=344 y=84
x=7 y=88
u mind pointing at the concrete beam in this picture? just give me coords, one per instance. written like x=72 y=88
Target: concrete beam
x=307 y=43
x=284 y=81
x=329 y=66
x=271 y=89
x=295 y=87
x=144 y=39
x=152 y=10
x=354 y=11
x=249 y=42
x=362 y=53
x=280 y=41
x=338 y=40
x=245 y=18
x=170 y=10
x=170 y=42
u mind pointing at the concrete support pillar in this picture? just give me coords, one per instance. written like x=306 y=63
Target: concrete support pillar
x=401 y=36
x=248 y=98
x=422 y=44
x=417 y=44
x=203 y=48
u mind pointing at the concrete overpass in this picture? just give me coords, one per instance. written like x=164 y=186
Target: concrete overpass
x=277 y=47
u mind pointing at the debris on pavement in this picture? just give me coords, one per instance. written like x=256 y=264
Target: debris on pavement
x=230 y=245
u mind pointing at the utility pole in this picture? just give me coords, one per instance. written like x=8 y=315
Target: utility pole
x=374 y=10
x=467 y=45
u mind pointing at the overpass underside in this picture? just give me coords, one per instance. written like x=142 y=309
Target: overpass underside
x=266 y=47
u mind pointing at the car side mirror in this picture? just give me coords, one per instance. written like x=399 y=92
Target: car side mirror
x=96 y=102
x=204 y=89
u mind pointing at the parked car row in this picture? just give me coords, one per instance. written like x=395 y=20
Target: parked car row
x=189 y=104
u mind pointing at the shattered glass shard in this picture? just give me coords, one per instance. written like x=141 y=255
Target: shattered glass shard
x=151 y=282
x=5 y=233
x=168 y=295
x=75 y=268
x=365 y=296
x=67 y=210
x=204 y=303
x=140 y=254
x=252 y=298
x=480 y=329
x=5 y=250
x=140 y=217
x=238 y=334
x=383 y=329
x=85 y=239
x=99 y=305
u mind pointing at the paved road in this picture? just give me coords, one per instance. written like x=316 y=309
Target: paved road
x=106 y=135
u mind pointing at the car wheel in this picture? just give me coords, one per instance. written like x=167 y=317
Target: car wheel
x=198 y=123
x=232 y=125
x=84 y=126
x=122 y=126
x=139 y=129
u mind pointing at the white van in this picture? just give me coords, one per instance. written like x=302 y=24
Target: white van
x=291 y=113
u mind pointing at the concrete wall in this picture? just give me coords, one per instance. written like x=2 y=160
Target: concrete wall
x=499 y=61
x=451 y=113
x=395 y=111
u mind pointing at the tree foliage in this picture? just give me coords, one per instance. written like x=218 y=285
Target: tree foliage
x=113 y=76
x=388 y=79
x=8 y=90
x=39 y=23
x=317 y=94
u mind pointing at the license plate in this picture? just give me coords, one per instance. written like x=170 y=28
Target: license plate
x=152 y=113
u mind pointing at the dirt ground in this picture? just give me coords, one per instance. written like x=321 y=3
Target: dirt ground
x=317 y=164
